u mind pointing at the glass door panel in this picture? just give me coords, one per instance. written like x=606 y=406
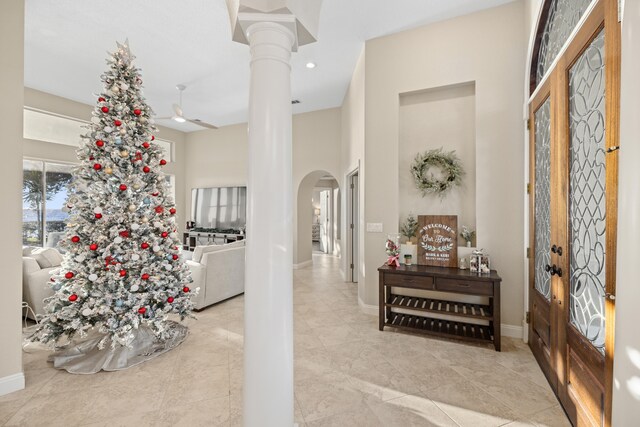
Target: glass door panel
x=587 y=202
x=542 y=123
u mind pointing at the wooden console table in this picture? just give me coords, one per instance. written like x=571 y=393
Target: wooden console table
x=441 y=279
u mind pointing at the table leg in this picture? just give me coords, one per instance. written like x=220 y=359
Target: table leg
x=381 y=301
x=497 y=333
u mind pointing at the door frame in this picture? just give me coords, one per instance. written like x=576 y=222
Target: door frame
x=352 y=224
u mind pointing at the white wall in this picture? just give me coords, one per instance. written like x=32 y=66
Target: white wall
x=487 y=48
x=11 y=83
x=353 y=148
x=440 y=117
x=215 y=158
x=626 y=370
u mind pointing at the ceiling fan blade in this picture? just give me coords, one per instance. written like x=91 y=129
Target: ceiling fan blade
x=201 y=123
x=164 y=118
x=178 y=109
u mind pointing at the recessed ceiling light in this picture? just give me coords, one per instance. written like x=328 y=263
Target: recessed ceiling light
x=311 y=65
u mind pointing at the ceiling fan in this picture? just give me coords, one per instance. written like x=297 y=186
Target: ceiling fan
x=179 y=115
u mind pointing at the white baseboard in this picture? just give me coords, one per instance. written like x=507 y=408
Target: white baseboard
x=511 y=331
x=11 y=383
x=303 y=264
x=525 y=331
x=368 y=308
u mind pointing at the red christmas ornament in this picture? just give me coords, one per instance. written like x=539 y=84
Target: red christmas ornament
x=144 y=245
x=155 y=194
x=97 y=166
x=164 y=234
x=159 y=209
x=123 y=273
x=172 y=211
x=146 y=169
x=137 y=112
x=185 y=289
x=175 y=257
x=101 y=99
x=163 y=162
x=75 y=239
x=73 y=297
x=100 y=143
x=170 y=300
x=142 y=310
x=124 y=233
x=117 y=122
x=153 y=137
x=105 y=109
x=98 y=215
x=145 y=276
x=146 y=144
x=123 y=187
x=69 y=275
x=93 y=247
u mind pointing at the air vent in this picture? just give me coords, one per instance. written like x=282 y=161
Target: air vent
x=295 y=101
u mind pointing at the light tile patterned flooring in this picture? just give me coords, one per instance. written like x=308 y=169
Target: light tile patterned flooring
x=347 y=373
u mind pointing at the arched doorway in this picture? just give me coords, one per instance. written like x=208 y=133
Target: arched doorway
x=318 y=214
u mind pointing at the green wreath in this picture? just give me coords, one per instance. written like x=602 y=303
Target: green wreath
x=448 y=163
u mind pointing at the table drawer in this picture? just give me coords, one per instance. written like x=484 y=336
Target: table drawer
x=409 y=281
x=470 y=287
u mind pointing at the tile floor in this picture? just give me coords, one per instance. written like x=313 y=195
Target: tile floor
x=347 y=373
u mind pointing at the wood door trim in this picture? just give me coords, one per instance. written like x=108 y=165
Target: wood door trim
x=559 y=181
x=612 y=39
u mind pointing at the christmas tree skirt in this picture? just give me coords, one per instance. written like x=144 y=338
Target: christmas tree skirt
x=84 y=357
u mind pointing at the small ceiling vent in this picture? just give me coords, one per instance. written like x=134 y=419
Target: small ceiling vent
x=295 y=101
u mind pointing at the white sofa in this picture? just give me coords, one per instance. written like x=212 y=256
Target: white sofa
x=218 y=270
x=38 y=264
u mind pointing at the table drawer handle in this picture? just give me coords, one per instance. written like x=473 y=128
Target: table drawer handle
x=464 y=285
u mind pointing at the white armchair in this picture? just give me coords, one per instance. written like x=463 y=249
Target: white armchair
x=38 y=264
x=218 y=270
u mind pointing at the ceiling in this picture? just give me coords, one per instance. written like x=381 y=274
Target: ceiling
x=189 y=42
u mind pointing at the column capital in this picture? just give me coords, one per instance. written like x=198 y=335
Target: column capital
x=301 y=17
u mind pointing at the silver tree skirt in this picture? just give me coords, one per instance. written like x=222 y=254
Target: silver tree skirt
x=84 y=357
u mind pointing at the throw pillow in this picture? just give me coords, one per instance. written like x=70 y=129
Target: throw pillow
x=46 y=257
x=199 y=251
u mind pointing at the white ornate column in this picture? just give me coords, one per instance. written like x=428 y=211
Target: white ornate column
x=268 y=332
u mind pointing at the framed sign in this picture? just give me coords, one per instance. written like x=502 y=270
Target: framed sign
x=438 y=240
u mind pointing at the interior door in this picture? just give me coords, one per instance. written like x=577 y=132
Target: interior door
x=573 y=273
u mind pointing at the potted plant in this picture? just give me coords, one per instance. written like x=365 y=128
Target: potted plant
x=468 y=235
x=408 y=229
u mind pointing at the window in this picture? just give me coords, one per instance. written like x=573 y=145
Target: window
x=44 y=193
x=45 y=126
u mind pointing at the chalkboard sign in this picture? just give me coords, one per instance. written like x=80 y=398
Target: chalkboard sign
x=438 y=240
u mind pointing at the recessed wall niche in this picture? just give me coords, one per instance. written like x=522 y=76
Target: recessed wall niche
x=439 y=117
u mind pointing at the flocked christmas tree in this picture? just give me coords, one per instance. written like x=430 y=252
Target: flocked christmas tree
x=122 y=270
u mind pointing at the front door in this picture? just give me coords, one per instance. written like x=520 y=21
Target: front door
x=574 y=148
